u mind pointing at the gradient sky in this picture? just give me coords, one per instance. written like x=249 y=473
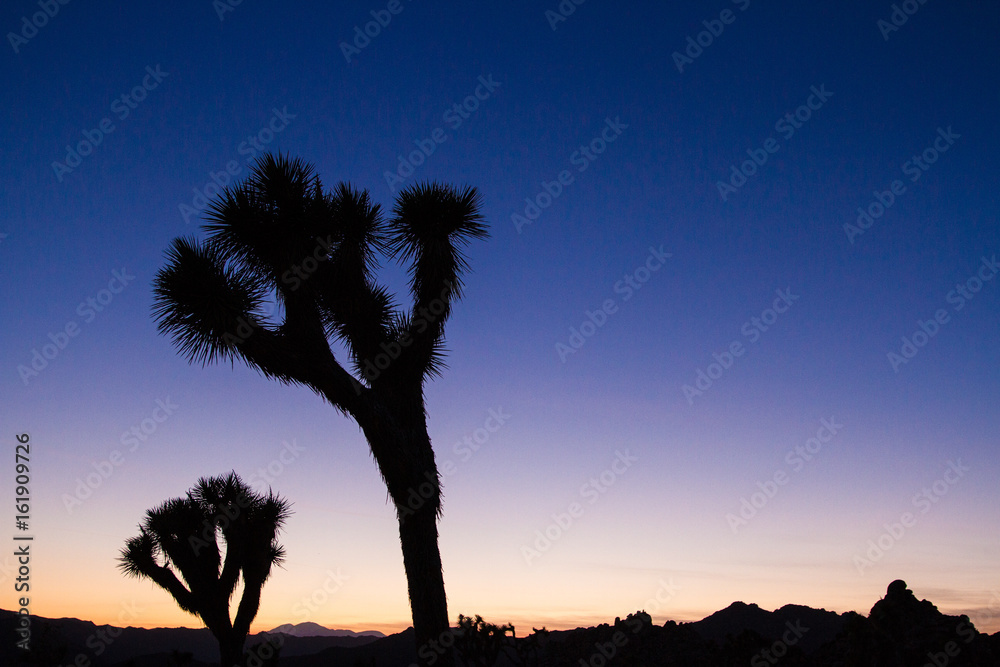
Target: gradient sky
x=660 y=525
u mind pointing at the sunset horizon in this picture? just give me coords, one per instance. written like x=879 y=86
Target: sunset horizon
x=267 y=620
x=548 y=313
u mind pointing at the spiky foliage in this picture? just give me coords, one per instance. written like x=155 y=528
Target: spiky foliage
x=279 y=238
x=178 y=548
x=278 y=235
x=480 y=643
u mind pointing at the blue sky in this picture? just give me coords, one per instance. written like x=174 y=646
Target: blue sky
x=636 y=259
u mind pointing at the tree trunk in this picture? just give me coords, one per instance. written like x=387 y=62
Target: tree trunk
x=418 y=537
x=231 y=651
x=396 y=430
x=215 y=615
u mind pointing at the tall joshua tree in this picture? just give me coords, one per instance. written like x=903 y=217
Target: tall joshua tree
x=182 y=534
x=279 y=237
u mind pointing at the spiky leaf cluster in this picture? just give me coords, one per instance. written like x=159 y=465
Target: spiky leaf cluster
x=178 y=546
x=279 y=237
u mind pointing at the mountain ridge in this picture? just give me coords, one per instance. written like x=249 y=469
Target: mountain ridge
x=310 y=629
x=899 y=630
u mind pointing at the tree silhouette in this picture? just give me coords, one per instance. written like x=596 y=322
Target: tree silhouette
x=278 y=237
x=183 y=534
x=479 y=643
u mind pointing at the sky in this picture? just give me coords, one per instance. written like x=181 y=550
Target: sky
x=733 y=336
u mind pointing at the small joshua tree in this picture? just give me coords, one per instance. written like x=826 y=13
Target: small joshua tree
x=182 y=536
x=280 y=238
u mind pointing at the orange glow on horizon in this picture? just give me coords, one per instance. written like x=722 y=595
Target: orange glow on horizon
x=523 y=624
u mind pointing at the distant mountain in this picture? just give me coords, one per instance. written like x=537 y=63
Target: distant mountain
x=398 y=650
x=72 y=641
x=811 y=628
x=900 y=631
x=317 y=630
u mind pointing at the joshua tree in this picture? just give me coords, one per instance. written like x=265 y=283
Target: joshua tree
x=479 y=643
x=280 y=238
x=183 y=533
